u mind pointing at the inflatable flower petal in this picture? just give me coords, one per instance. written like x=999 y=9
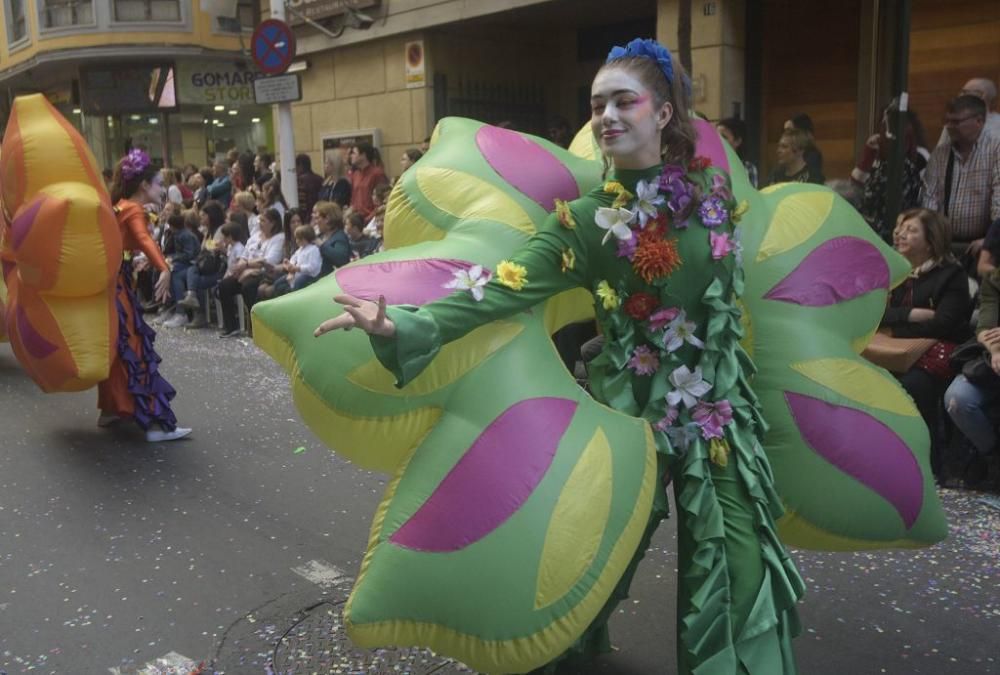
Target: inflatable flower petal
x=60 y=250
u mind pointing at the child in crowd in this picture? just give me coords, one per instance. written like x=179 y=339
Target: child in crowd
x=361 y=244
x=231 y=233
x=379 y=197
x=300 y=270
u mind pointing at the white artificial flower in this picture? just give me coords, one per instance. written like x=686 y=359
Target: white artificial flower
x=647 y=199
x=472 y=280
x=616 y=222
x=679 y=331
x=688 y=387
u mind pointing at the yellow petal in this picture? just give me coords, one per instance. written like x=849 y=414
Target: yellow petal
x=718 y=452
x=578 y=523
x=859 y=382
x=404 y=226
x=469 y=198
x=797 y=217
x=454 y=361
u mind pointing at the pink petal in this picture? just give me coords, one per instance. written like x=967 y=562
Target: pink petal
x=835 y=271
x=530 y=168
x=864 y=448
x=492 y=480
x=402 y=282
x=710 y=144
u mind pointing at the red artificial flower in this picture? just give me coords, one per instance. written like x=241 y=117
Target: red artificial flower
x=699 y=164
x=640 y=305
x=655 y=256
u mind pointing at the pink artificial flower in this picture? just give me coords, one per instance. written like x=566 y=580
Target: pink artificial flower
x=644 y=361
x=659 y=319
x=711 y=417
x=668 y=420
x=722 y=245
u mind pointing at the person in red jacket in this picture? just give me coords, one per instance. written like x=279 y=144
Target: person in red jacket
x=366 y=175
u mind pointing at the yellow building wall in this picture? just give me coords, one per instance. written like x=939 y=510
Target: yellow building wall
x=201 y=34
x=718 y=50
x=362 y=87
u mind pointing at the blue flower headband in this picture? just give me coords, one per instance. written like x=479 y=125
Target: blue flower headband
x=650 y=49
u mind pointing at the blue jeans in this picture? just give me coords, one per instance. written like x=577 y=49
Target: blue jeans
x=967 y=405
x=178 y=279
x=197 y=282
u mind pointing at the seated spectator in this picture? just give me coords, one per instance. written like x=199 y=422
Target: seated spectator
x=973 y=405
x=273 y=197
x=933 y=302
x=380 y=196
x=734 y=130
x=791 y=166
x=260 y=255
x=962 y=180
x=213 y=216
x=812 y=156
x=872 y=171
x=187 y=196
x=210 y=267
x=334 y=247
x=336 y=188
x=361 y=244
x=301 y=269
x=169 y=178
x=221 y=187
x=262 y=169
x=185 y=251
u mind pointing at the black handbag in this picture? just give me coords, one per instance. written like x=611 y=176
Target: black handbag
x=973 y=360
x=208 y=263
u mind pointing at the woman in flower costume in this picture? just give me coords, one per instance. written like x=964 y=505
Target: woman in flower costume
x=656 y=246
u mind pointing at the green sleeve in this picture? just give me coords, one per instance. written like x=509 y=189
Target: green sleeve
x=421 y=332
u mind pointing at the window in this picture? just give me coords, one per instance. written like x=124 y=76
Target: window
x=246 y=18
x=17 y=25
x=148 y=10
x=59 y=13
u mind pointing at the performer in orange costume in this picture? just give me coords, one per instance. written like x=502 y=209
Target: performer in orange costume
x=135 y=387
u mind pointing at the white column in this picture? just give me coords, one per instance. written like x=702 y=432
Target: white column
x=286 y=134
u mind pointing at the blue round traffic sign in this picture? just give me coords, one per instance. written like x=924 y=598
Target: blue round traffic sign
x=273 y=46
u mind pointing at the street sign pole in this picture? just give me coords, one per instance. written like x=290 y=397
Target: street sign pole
x=286 y=135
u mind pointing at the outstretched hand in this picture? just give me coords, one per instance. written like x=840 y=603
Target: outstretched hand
x=364 y=314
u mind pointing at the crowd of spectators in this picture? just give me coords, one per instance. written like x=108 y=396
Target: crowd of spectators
x=228 y=232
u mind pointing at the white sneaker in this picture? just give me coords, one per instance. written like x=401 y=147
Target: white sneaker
x=177 y=320
x=159 y=435
x=106 y=420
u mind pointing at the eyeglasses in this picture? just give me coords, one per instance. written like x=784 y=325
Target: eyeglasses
x=954 y=122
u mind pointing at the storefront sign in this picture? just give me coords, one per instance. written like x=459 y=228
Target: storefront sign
x=215 y=83
x=322 y=9
x=415 y=75
x=278 y=89
x=343 y=140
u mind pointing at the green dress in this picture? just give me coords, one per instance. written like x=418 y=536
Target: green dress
x=737 y=586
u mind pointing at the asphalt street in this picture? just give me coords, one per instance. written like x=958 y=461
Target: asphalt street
x=235 y=548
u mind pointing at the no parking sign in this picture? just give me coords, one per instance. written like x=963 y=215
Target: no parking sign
x=273 y=46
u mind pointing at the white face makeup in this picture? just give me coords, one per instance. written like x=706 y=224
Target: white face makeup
x=155 y=191
x=625 y=121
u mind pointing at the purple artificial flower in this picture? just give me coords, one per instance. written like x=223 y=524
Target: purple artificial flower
x=713 y=212
x=665 y=422
x=720 y=187
x=626 y=247
x=659 y=319
x=711 y=417
x=644 y=361
x=670 y=174
x=134 y=163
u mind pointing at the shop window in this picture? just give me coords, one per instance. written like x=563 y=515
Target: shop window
x=17 y=24
x=148 y=10
x=59 y=13
x=246 y=18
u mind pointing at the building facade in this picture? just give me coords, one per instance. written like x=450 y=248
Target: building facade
x=160 y=74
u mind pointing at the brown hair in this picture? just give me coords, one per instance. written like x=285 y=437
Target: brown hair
x=305 y=233
x=678 y=138
x=798 y=139
x=936 y=231
x=122 y=188
x=332 y=212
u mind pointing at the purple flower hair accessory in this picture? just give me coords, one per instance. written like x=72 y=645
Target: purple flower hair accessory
x=650 y=49
x=134 y=163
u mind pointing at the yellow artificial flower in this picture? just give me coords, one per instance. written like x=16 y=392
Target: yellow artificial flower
x=623 y=196
x=718 y=452
x=568 y=260
x=564 y=215
x=512 y=275
x=740 y=210
x=609 y=297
